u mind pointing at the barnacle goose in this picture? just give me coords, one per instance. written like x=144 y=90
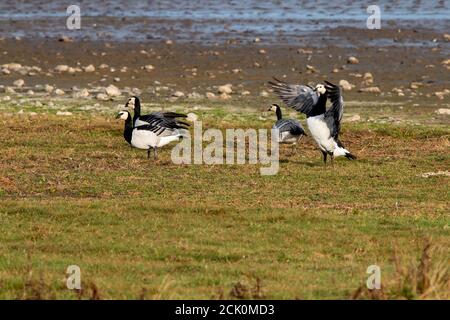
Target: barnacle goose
x=135 y=104
x=290 y=130
x=324 y=125
x=150 y=136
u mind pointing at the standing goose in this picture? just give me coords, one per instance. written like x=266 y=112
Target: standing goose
x=150 y=136
x=290 y=130
x=135 y=104
x=323 y=124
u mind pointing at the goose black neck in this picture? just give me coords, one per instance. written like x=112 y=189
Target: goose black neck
x=320 y=107
x=278 y=112
x=137 y=109
x=128 y=130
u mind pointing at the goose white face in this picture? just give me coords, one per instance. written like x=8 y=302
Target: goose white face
x=123 y=115
x=131 y=102
x=320 y=89
x=273 y=108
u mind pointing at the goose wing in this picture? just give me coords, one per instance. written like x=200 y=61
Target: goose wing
x=157 y=116
x=300 y=97
x=289 y=125
x=333 y=115
x=162 y=121
x=163 y=126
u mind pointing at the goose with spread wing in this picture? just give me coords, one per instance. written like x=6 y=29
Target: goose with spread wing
x=324 y=125
x=150 y=136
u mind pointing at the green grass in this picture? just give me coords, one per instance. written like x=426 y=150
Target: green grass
x=73 y=192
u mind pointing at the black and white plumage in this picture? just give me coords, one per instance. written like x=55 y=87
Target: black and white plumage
x=134 y=103
x=290 y=130
x=150 y=136
x=324 y=125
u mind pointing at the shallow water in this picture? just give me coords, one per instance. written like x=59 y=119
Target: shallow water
x=206 y=21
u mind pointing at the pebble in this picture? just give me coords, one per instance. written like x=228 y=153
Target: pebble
x=367 y=80
x=30 y=92
x=245 y=93
x=112 y=91
x=210 y=95
x=311 y=69
x=415 y=85
x=61 y=68
x=149 y=67
x=370 y=90
x=89 y=68
x=65 y=39
x=195 y=95
x=352 y=60
x=226 y=88
x=256 y=40
x=83 y=93
x=264 y=93
x=10 y=90
x=178 y=94
x=225 y=96
x=443 y=111
x=48 y=88
x=12 y=66
x=19 y=83
x=102 y=97
x=304 y=51
x=346 y=86
x=59 y=92
x=442 y=94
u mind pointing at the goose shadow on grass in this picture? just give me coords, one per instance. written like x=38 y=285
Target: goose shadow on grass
x=305 y=163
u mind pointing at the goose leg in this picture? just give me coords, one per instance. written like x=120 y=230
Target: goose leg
x=293 y=149
x=324 y=158
x=148 y=153
x=155 y=153
x=332 y=159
